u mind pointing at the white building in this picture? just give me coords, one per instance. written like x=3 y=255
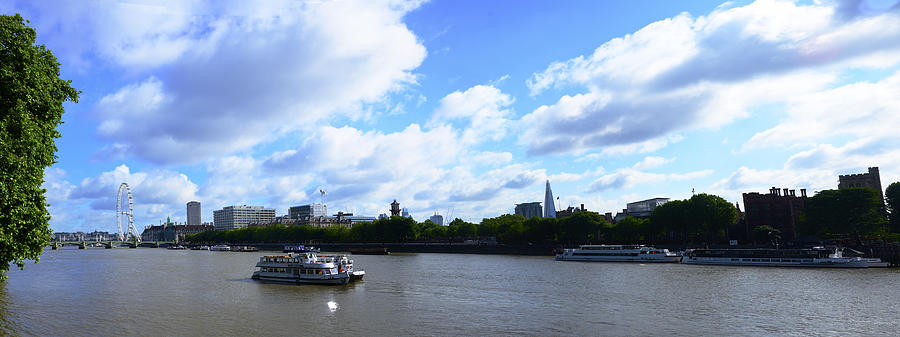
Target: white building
x=232 y=217
x=640 y=209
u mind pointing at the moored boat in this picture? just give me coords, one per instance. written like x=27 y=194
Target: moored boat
x=617 y=253
x=220 y=248
x=299 y=249
x=307 y=267
x=369 y=251
x=875 y=262
x=817 y=257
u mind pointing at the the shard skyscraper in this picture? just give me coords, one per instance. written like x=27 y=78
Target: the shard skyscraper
x=549 y=205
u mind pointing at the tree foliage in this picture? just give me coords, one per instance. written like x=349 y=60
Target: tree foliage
x=892 y=198
x=31 y=104
x=581 y=227
x=855 y=211
x=767 y=234
x=703 y=217
x=628 y=231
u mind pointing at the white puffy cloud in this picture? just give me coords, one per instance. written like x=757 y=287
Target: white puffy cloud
x=684 y=73
x=482 y=107
x=205 y=79
x=58 y=188
x=859 y=110
x=154 y=187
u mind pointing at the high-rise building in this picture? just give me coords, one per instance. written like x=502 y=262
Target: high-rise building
x=232 y=217
x=307 y=211
x=549 y=205
x=529 y=209
x=404 y=213
x=437 y=219
x=193 y=213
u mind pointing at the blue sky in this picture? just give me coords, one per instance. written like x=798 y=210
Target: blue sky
x=462 y=107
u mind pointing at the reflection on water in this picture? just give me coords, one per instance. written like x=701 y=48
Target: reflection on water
x=157 y=291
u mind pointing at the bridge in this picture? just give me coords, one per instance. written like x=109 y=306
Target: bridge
x=54 y=245
x=127 y=233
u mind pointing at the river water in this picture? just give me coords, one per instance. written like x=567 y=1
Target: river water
x=153 y=292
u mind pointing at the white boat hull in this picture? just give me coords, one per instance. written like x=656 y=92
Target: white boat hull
x=289 y=278
x=641 y=259
x=812 y=263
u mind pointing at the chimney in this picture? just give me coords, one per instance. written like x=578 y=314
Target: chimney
x=793 y=193
x=803 y=192
x=582 y=207
x=785 y=191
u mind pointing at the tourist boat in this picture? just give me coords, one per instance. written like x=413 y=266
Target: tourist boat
x=810 y=257
x=200 y=248
x=299 y=249
x=244 y=249
x=617 y=253
x=178 y=247
x=220 y=248
x=307 y=267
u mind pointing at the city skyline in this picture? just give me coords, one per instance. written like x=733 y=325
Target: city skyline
x=462 y=107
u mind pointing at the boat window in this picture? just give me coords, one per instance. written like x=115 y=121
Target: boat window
x=319 y=272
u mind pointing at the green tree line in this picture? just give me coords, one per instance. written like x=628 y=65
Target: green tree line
x=701 y=219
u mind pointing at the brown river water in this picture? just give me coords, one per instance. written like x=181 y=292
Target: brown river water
x=153 y=292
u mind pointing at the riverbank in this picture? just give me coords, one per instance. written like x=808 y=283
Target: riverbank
x=450 y=248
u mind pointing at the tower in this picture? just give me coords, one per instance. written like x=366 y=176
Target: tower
x=549 y=205
x=193 y=213
x=395 y=208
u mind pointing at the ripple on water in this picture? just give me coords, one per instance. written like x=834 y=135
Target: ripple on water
x=199 y=293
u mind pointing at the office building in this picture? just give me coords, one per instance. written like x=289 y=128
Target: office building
x=193 y=213
x=437 y=219
x=307 y=211
x=529 y=209
x=232 y=217
x=640 y=209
